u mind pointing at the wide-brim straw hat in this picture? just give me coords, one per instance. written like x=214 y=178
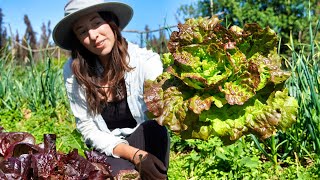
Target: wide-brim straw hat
x=62 y=32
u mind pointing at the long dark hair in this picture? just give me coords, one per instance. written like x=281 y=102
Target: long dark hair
x=84 y=67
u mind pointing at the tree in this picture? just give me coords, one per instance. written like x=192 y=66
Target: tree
x=2 y=30
x=29 y=35
x=29 y=39
x=46 y=32
x=18 y=53
x=284 y=16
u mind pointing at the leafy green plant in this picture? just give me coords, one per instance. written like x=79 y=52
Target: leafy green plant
x=221 y=82
x=303 y=84
x=242 y=160
x=33 y=99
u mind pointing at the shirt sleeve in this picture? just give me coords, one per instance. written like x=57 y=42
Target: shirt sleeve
x=103 y=141
x=152 y=66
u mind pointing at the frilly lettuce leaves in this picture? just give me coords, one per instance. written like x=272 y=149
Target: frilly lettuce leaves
x=221 y=82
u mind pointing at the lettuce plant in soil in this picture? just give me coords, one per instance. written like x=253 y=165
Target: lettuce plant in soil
x=221 y=82
x=21 y=158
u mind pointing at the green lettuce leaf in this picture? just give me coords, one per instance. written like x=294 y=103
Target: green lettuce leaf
x=221 y=82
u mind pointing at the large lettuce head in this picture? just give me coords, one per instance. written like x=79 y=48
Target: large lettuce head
x=211 y=68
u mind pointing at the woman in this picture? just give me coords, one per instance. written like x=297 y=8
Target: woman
x=104 y=82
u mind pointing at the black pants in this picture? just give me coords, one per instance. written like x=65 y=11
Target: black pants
x=150 y=137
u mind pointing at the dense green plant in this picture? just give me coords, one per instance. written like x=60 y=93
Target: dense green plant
x=241 y=160
x=220 y=82
x=33 y=99
x=303 y=139
x=305 y=86
x=33 y=85
x=283 y=16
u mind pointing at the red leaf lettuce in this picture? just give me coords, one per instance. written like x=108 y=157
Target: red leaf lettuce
x=222 y=82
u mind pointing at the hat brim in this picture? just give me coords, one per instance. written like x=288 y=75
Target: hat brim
x=62 y=33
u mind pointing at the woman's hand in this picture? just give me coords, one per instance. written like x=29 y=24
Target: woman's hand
x=149 y=166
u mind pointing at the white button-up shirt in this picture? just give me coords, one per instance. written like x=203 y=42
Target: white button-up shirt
x=147 y=65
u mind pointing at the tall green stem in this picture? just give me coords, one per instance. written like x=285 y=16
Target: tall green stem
x=274 y=150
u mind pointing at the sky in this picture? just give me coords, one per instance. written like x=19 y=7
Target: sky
x=154 y=13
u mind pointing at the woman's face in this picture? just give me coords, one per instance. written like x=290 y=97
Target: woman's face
x=95 y=34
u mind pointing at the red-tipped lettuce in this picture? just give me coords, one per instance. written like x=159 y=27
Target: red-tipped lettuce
x=211 y=70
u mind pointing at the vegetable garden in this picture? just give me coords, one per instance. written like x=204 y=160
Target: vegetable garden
x=235 y=108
